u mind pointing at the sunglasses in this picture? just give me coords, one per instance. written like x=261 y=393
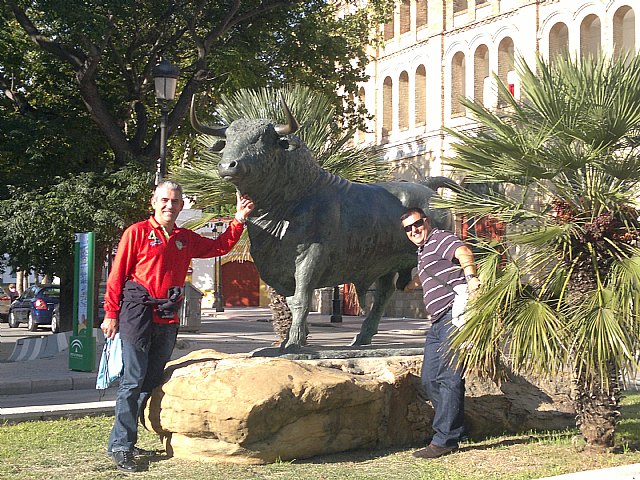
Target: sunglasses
x=417 y=224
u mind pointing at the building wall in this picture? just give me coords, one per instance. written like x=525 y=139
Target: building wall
x=419 y=71
x=417 y=74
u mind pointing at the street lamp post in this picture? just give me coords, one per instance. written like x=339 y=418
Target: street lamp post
x=218 y=298
x=336 y=311
x=165 y=76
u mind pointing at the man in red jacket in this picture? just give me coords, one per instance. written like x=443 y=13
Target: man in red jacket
x=141 y=302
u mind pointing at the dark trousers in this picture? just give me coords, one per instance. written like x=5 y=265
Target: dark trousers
x=143 y=371
x=443 y=384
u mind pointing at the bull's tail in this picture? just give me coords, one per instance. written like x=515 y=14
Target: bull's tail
x=434 y=183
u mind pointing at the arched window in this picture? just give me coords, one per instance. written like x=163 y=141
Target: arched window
x=458 y=85
x=388 y=29
x=480 y=73
x=405 y=16
x=387 y=107
x=558 y=40
x=421 y=13
x=506 y=65
x=590 y=37
x=403 y=101
x=459 y=5
x=421 y=96
x=624 y=31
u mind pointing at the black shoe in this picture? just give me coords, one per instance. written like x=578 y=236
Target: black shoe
x=125 y=461
x=141 y=452
x=433 y=451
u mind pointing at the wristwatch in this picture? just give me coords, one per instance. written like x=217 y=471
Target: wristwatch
x=470 y=276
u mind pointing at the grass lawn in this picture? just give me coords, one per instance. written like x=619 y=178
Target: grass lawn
x=66 y=449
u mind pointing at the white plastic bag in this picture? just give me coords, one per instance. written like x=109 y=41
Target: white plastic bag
x=459 y=305
x=111 y=366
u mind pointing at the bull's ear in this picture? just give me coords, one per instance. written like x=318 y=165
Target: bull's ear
x=284 y=143
x=290 y=143
x=217 y=146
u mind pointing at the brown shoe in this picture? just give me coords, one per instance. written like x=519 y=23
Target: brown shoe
x=433 y=451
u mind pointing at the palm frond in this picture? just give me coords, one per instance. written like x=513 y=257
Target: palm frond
x=535 y=331
x=563 y=282
x=600 y=341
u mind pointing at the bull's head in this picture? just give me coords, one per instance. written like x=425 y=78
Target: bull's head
x=246 y=141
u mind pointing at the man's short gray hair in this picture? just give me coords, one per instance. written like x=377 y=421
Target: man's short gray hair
x=169 y=185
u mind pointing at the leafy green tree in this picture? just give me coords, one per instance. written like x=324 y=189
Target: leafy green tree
x=39 y=225
x=319 y=129
x=561 y=288
x=76 y=85
x=105 y=51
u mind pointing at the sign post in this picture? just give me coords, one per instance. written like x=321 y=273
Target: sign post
x=82 y=345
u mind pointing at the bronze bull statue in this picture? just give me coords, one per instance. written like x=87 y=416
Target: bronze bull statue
x=313 y=229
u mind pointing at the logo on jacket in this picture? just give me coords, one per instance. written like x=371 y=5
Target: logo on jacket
x=154 y=240
x=179 y=244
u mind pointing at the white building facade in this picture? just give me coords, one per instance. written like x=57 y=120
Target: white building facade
x=435 y=51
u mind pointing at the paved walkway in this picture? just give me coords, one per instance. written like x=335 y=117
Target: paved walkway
x=39 y=385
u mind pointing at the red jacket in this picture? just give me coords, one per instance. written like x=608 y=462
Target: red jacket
x=146 y=257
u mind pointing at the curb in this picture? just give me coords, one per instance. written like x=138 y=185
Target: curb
x=33 y=348
x=49 y=412
x=26 y=387
x=46 y=346
x=623 y=472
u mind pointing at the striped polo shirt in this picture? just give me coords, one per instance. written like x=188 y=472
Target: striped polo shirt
x=436 y=259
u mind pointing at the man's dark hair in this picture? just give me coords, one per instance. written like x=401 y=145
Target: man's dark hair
x=410 y=211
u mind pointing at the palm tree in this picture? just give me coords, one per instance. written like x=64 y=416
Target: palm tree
x=561 y=169
x=319 y=130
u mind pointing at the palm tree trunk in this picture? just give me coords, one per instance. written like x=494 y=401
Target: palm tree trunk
x=281 y=316
x=596 y=400
x=597 y=407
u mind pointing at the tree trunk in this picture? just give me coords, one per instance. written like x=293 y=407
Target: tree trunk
x=597 y=411
x=596 y=400
x=281 y=316
x=20 y=281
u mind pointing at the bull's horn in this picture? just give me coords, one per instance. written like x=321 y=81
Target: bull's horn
x=291 y=125
x=199 y=127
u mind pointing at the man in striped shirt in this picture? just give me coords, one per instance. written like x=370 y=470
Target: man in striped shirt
x=445 y=267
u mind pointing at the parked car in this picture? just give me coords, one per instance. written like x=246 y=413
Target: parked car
x=5 y=303
x=36 y=306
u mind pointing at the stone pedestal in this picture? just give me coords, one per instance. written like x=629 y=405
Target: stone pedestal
x=235 y=408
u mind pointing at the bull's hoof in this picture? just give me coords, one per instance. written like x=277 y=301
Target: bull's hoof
x=360 y=339
x=290 y=348
x=295 y=340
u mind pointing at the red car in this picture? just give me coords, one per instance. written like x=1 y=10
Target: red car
x=5 y=303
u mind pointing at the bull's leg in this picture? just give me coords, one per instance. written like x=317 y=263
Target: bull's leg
x=381 y=296
x=361 y=290
x=308 y=266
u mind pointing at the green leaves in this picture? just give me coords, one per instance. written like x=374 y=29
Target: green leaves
x=561 y=169
x=38 y=226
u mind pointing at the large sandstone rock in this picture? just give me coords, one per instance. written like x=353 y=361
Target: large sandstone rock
x=234 y=408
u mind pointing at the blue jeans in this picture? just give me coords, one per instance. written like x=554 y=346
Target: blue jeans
x=143 y=371
x=443 y=384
